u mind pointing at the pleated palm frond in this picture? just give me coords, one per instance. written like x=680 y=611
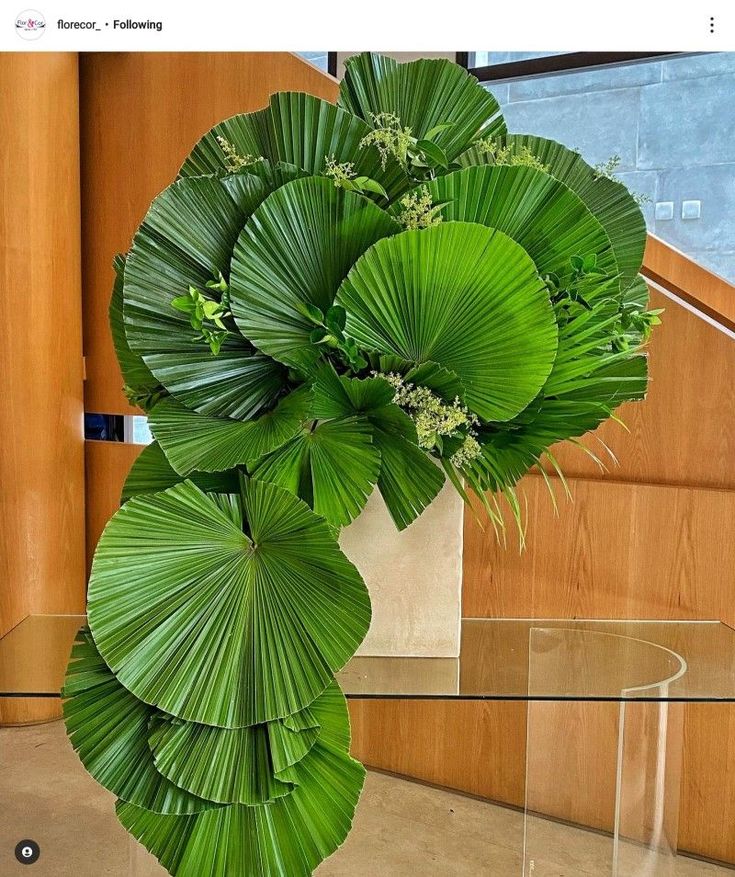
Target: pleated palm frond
x=584 y=348
x=408 y=480
x=152 y=472
x=295 y=251
x=108 y=728
x=216 y=625
x=296 y=130
x=289 y=836
x=136 y=374
x=465 y=297
x=609 y=200
x=196 y=442
x=544 y=216
x=442 y=381
x=336 y=395
x=588 y=381
x=253 y=765
x=637 y=294
x=187 y=239
x=227 y=765
x=332 y=467
x=508 y=454
x=423 y=94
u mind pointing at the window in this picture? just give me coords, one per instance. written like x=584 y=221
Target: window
x=318 y=59
x=671 y=122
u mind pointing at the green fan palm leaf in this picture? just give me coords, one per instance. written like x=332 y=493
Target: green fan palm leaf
x=151 y=472
x=296 y=130
x=544 y=216
x=465 y=297
x=108 y=728
x=253 y=765
x=217 y=626
x=332 y=467
x=609 y=200
x=408 y=480
x=140 y=382
x=507 y=454
x=289 y=836
x=424 y=94
x=195 y=442
x=186 y=240
x=295 y=251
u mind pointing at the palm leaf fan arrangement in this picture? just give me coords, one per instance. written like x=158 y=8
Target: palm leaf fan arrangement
x=328 y=300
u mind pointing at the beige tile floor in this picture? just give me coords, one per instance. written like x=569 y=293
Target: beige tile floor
x=402 y=829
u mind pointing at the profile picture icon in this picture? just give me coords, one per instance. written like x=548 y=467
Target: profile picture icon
x=30 y=24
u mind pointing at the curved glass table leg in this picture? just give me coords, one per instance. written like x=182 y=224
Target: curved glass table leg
x=608 y=767
x=647 y=788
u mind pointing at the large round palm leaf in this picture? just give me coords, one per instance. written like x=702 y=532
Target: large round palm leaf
x=186 y=239
x=539 y=212
x=196 y=442
x=252 y=765
x=151 y=472
x=333 y=467
x=227 y=765
x=295 y=250
x=296 y=129
x=289 y=836
x=465 y=297
x=216 y=625
x=609 y=200
x=423 y=94
x=108 y=727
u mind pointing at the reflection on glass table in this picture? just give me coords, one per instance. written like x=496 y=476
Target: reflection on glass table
x=604 y=717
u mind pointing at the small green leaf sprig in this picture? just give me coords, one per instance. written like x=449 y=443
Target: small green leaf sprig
x=329 y=332
x=344 y=177
x=418 y=157
x=564 y=290
x=144 y=399
x=635 y=327
x=436 y=421
x=202 y=310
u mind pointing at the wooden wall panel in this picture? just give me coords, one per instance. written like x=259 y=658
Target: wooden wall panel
x=695 y=284
x=42 y=462
x=107 y=465
x=617 y=551
x=472 y=746
x=141 y=115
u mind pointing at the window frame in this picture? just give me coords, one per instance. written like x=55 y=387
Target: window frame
x=567 y=62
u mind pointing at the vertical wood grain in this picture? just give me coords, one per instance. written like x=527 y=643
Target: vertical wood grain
x=107 y=465
x=41 y=422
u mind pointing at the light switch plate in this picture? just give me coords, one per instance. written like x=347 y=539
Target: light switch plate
x=691 y=209
x=664 y=210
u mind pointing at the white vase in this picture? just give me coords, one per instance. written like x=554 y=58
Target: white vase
x=414 y=577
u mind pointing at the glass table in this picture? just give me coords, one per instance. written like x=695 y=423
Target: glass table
x=605 y=714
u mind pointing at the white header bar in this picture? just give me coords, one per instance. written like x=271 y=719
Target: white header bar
x=380 y=25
